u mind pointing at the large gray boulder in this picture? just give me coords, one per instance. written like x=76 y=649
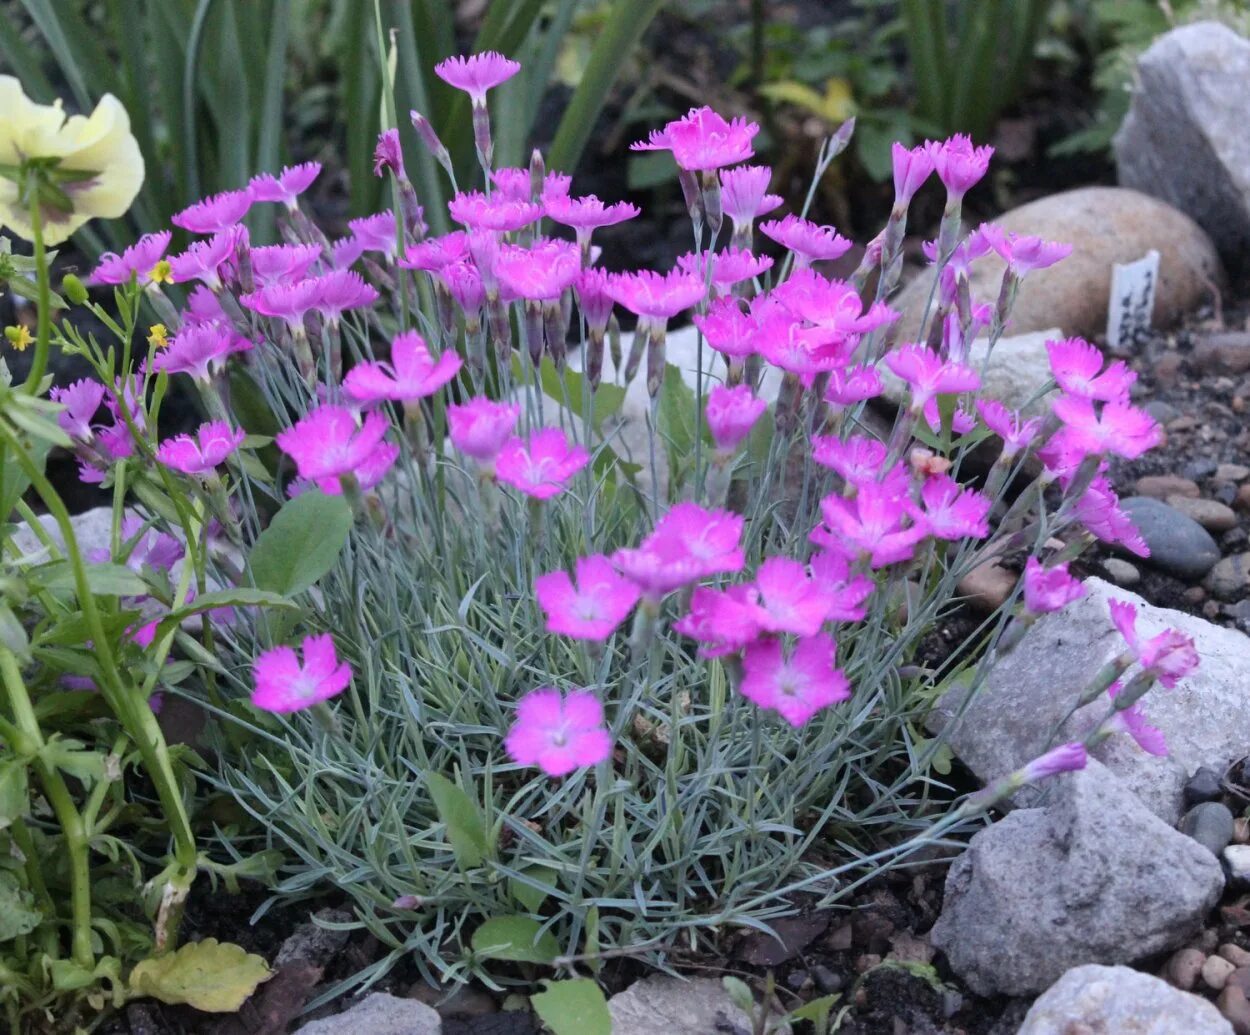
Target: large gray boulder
x=1184 y=138
x=1091 y=877
x=1105 y=226
x=1027 y=693
x=1120 y=1000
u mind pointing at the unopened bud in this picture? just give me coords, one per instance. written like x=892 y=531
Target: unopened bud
x=74 y=289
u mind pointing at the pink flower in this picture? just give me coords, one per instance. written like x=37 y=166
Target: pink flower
x=283 y=262
x=477 y=73
x=744 y=194
x=204 y=307
x=1076 y=365
x=593 y=299
x=138 y=261
x=723 y=621
x=340 y=290
x=959 y=165
x=203 y=260
x=344 y=251
x=464 y=284
x=1133 y=721
x=1023 y=254
x=480 y=427
x=587 y=214
x=1049 y=589
x=1120 y=428
x=702 y=140
x=436 y=253
x=798 y=686
x=1099 y=511
x=289 y=301
x=952 y=511
x=853 y=384
x=727 y=328
x=540 y=272
x=731 y=413
x=809 y=241
x=929 y=375
x=832 y=304
x=200 y=350
x=215 y=213
x=650 y=294
x=858 y=459
x=962 y=422
x=911 y=168
x=329 y=442
x=542 y=466
x=879 y=523
x=1170 y=656
x=594 y=607
x=375 y=233
x=81 y=400
x=287 y=186
x=832 y=570
x=687 y=544
x=411 y=374
x=497 y=212
x=285 y=685
x=790 y=601
x=729 y=267
x=389 y=154
x=1008 y=425
x=369 y=473
x=203 y=452
x=1066 y=758
x=805 y=351
x=558 y=734
x=513 y=184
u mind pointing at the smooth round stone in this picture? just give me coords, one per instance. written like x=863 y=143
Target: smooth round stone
x=1121 y=572
x=1178 y=544
x=1212 y=515
x=1235 y=955
x=1215 y=972
x=1204 y=785
x=1230 y=577
x=1233 y=1004
x=1237 y=863
x=1161 y=486
x=1184 y=967
x=1210 y=824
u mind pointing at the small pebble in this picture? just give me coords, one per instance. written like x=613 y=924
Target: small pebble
x=866 y=962
x=1237 y=866
x=1215 y=972
x=1184 y=967
x=1178 y=544
x=1236 y=1008
x=1161 y=486
x=1122 y=573
x=1232 y=472
x=1226 y=493
x=1210 y=514
x=1210 y=824
x=1211 y=609
x=1194 y=595
x=798 y=980
x=1235 y=954
x=1182 y=423
x=1161 y=411
x=1199 y=469
x=1241 y=830
x=1230 y=577
x=1234 y=538
x=828 y=981
x=1239 y=978
x=1242 y=502
x=1204 y=785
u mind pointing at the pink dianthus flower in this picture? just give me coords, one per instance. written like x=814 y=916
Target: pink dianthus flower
x=477 y=73
x=959 y=165
x=81 y=399
x=497 y=212
x=1170 y=656
x=953 y=511
x=411 y=374
x=702 y=140
x=479 y=428
x=1134 y=721
x=330 y=442
x=929 y=375
x=1119 y=428
x=809 y=241
x=541 y=466
x=540 y=272
x=215 y=213
x=287 y=186
x=139 y=261
x=203 y=452
x=592 y=608
x=558 y=734
x=200 y=350
x=688 y=543
x=796 y=686
x=744 y=195
x=283 y=684
x=731 y=413
x=650 y=294
x=1049 y=589
x=1077 y=366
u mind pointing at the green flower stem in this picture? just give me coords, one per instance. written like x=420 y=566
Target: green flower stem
x=62 y=802
x=34 y=874
x=135 y=715
x=43 y=339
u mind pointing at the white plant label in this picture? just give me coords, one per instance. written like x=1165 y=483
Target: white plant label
x=1132 y=301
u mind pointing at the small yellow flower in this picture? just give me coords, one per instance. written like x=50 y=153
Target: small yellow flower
x=19 y=337
x=158 y=335
x=101 y=144
x=162 y=273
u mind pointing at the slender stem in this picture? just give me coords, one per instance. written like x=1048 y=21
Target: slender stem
x=43 y=339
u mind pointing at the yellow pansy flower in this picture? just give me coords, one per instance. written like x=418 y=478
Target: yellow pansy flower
x=100 y=143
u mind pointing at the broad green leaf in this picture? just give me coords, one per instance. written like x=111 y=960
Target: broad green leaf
x=527 y=895
x=240 y=596
x=607 y=400
x=817 y=1011
x=13 y=483
x=209 y=975
x=575 y=1007
x=677 y=424
x=517 y=938
x=18 y=914
x=68 y=755
x=301 y=543
x=466 y=829
x=112 y=580
x=14 y=797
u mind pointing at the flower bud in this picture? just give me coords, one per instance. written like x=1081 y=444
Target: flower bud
x=74 y=289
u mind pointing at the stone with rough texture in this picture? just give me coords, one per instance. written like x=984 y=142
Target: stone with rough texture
x=1105 y=225
x=1230 y=577
x=1091 y=877
x=1029 y=691
x=1187 y=102
x=1210 y=823
x=674 y=1006
x=379 y=1014
x=1094 y=1000
x=1019 y=368
x=1178 y=544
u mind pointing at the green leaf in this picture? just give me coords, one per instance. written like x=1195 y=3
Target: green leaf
x=301 y=543
x=817 y=1011
x=575 y=1007
x=68 y=755
x=526 y=894
x=103 y=580
x=517 y=938
x=209 y=975
x=13 y=483
x=18 y=914
x=676 y=421
x=466 y=828
x=240 y=596
x=14 y=797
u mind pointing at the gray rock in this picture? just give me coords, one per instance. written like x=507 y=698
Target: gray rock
x=1187 y=102
x=1237 y=860
x=1092 y=877
x=700 y=1006
x=1027 y=693
x=1204 y=785
x=93 y=529
x=1210 y=824
x=1230 y=577
x=1121 y=572
x=1178 y=544
x=1212 y=515
x=1120 y=1001
x=1105 y=225
x=379 y=1014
